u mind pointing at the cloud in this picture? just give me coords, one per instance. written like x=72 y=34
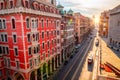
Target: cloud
x=89 y=7
x=70 y=4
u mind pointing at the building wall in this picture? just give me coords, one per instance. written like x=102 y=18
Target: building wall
x=28 y=63
x=114 y=29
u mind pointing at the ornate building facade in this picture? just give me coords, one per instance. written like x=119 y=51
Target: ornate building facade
x=67 y=33
x=114 y=28
x=29 y=39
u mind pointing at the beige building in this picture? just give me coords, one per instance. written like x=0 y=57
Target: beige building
x=82 y=27
x=114 y=28
x=103 y=24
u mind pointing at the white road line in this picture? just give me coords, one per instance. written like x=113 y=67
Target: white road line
x=72 y=65
x=81 y=61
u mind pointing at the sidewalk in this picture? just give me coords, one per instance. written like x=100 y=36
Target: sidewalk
x=108 y=55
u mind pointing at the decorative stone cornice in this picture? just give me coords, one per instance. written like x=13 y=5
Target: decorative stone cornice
x=30 y=11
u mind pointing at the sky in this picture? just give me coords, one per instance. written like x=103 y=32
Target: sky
x=89 y=7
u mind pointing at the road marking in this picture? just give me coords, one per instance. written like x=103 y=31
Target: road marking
x=73 y=63
x=81 y=61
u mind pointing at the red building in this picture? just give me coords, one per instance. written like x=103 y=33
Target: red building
x=67 y=33
x=29 y=39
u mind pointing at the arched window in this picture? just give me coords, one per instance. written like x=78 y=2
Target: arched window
x=42 y=23
x=11 y=4
x=4 y=24
x=2 y=5
x=26 y=4
x=47 y=23
x=13 y=23
x=27 y=22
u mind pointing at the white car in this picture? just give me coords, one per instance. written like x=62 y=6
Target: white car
x=90 y=59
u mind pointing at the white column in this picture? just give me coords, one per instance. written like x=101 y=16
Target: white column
x=35 y=74
x=54 y=63
x=47 y=69
x=41 y=72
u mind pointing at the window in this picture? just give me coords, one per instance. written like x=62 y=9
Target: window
x=2 y=6
x=8 y=62
x=14 y=38
x=33 y=37
x=58 y=24
x=55 y=33
x=48 y=53
x=48 y=44
x=7 y=50
x=32 y=23
x=37 y=36
x=0 y=73
x=47 y=23
x=42 y=23
x=38 y=48
x=31 y=63
x=26 y=4
x=4 y=24
x=5 y=61
x=16 y=51
x=29 y=50
x=35 y=50
x=42 y=34
x=0 y=49
x=36 y=23
x=0 y=24
x=11 y=4
x=17 y=65
x=28 y=37
x=52 y=1
x=47 y=34
x=2 y=37
x=13 y=23
x=28 y=23
x=43 y=46
x=52 y=42
x=6 y=38
x=3 y=50
x=58 y=33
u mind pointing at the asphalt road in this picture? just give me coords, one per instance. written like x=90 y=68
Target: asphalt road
x=72 y=70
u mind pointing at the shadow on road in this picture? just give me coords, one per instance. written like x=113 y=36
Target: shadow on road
x=90 y=67
x=117 y=53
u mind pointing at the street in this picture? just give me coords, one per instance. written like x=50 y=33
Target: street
x=72 y=71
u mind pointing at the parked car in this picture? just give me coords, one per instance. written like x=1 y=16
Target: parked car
x=77 y=48
x=97 y=42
